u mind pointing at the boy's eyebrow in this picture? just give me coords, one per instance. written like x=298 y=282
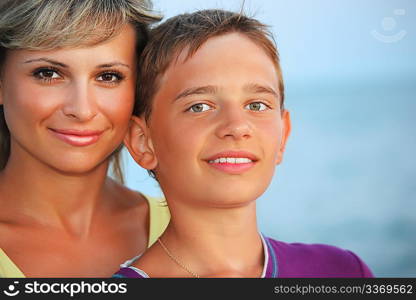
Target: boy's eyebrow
x=258 y=88
x=211 y=89
x=208 y=89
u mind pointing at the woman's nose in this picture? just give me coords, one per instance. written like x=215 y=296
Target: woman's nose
x=81 y=102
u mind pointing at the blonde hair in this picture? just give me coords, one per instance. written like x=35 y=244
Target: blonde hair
x=52 y=24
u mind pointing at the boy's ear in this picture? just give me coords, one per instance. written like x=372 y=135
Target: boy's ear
x=139 y=144
x=286 y=126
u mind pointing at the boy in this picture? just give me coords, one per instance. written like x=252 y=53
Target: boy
x=211 y=128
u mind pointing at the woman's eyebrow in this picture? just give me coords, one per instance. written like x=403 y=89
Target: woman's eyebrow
x=113 y=64
x=57 y=63
x=208 y=89
x=44 y=59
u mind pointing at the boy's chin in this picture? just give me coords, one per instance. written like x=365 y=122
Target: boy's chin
x=231 y=198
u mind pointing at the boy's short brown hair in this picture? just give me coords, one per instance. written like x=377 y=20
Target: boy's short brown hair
x=191 y=30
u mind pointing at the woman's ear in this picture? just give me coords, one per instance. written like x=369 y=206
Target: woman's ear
x=286 y=126
x=139 y=143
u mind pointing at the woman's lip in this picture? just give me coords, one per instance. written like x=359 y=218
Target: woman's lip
x=78 y=138
x=85 y=132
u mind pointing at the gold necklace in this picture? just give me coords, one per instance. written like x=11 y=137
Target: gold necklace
x=177 y=261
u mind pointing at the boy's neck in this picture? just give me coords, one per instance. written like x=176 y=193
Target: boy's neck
x=222 y=242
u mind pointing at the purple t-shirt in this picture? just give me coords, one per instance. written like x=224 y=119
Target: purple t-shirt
x=312 y=260
x=294 y=260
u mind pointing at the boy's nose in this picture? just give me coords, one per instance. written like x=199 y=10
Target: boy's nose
x=234 y=124
x=80 y=103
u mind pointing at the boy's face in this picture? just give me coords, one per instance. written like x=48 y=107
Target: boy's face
x=216 y=129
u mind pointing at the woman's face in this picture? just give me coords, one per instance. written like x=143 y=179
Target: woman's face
x=69 y=108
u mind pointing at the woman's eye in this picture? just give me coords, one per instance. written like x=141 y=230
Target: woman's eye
x=256 y=106
x=109 y=77
x=46 y=74
x=199 y=107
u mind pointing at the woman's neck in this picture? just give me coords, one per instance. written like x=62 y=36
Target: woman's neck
x=216 y=241
x=32 y=192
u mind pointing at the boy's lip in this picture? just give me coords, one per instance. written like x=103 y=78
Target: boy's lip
x=77 y=137
x=233 y=154
x=232 y=162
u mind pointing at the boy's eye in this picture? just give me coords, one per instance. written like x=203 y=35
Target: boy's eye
x=256 y=106
x=110 y=77
x=199 y=107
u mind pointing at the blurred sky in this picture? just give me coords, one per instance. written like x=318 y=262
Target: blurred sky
x=349 y=172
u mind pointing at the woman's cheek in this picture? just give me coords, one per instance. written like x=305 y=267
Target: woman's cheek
x=118 y=107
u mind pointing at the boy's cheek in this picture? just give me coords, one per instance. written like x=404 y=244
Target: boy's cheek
x=273 y=144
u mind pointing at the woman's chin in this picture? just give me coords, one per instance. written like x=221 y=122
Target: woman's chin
x=78 y=166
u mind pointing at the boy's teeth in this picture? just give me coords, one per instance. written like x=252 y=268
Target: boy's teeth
x=231 y=160
x=242 y=160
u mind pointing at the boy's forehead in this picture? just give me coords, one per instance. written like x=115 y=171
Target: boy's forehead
x=223 y=42
x=216 y=63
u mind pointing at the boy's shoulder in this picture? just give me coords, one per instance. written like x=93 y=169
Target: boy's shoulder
x=316 y=260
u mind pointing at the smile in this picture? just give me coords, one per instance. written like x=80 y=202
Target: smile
x=232 y=162
x=78 y=138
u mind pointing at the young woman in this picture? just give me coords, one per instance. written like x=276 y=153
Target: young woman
x=67 y=83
